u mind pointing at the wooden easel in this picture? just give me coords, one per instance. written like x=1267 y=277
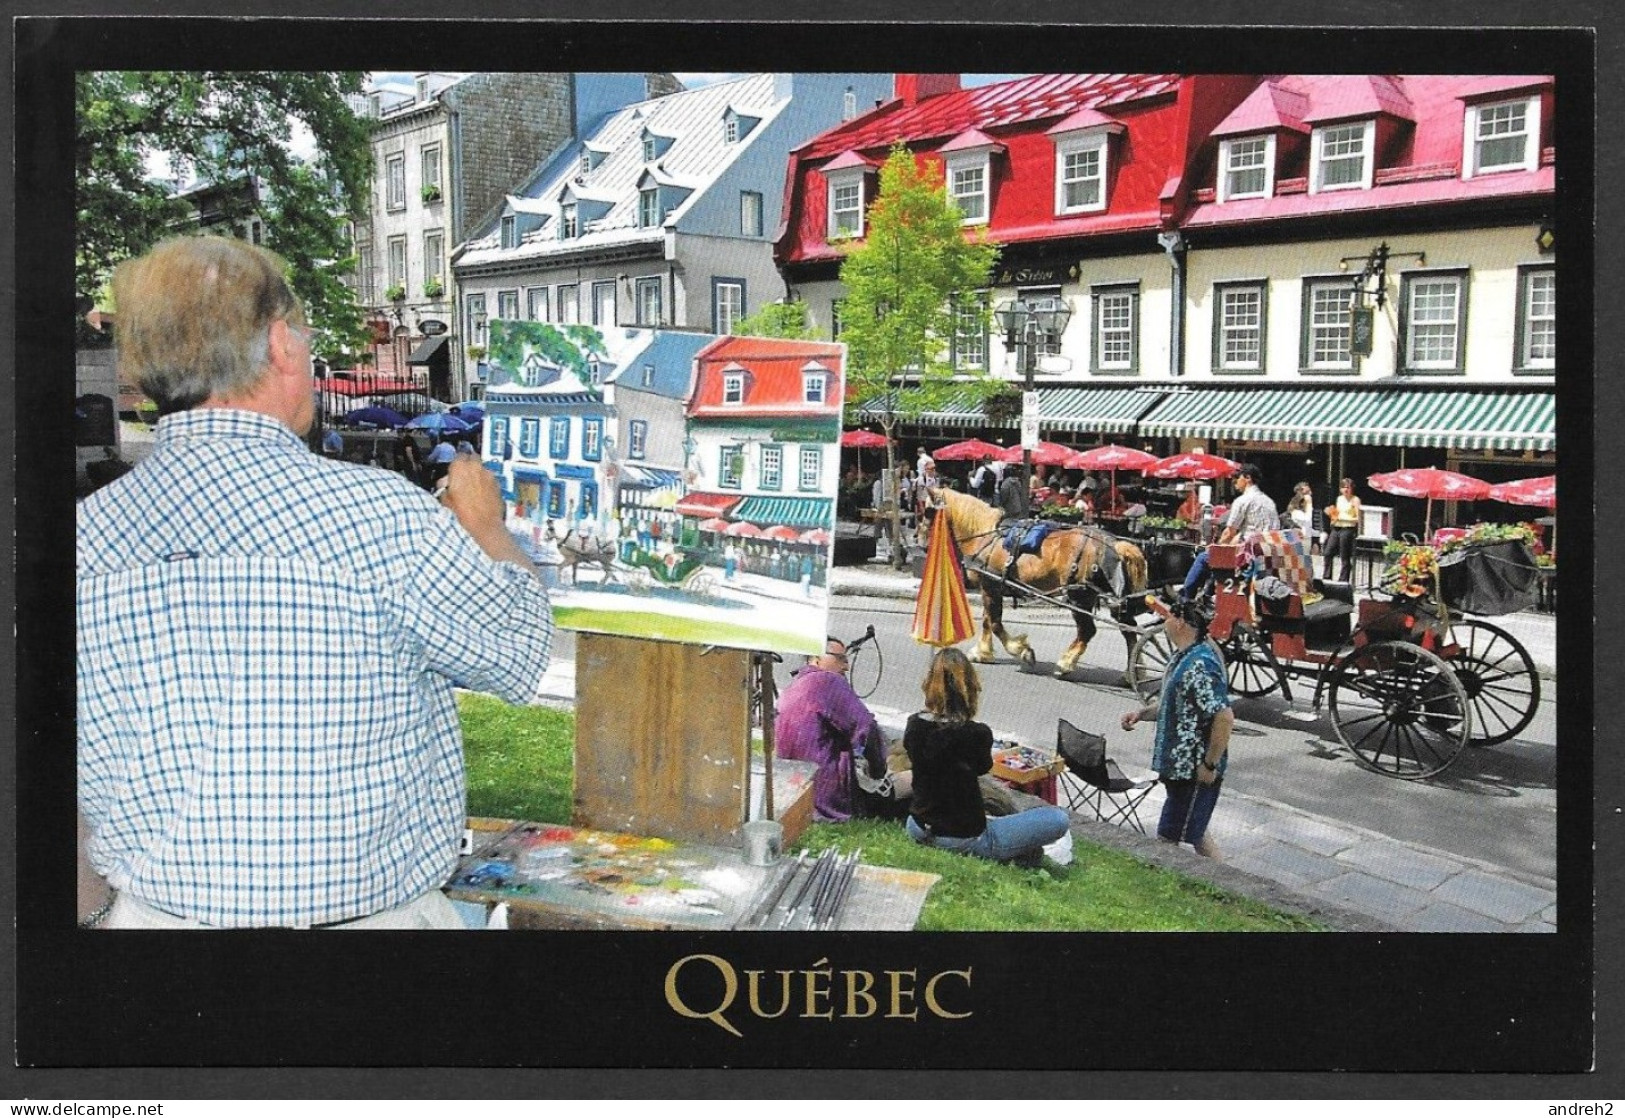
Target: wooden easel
x=663 y=737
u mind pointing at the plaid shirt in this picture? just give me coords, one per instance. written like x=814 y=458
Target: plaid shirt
x=267 y=647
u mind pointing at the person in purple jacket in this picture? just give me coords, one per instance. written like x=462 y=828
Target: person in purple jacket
x=821 y=719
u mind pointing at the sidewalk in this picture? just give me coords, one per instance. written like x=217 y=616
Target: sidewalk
x=1344 y=877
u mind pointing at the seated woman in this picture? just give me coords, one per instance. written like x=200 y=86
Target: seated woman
x=948 y=750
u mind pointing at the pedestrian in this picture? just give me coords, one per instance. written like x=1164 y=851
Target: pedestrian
x=439 y=461
x=730 y=560
x=294 y=760
x=806 y=576
x=1252 y=511
x=1342 y=526
x=1194 y=719
x=1300 y=511
x=982 y=480
x=948 y=750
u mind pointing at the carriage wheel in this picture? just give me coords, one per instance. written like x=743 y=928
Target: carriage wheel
x=1150 y=661
x=1250 y=672
x=1399 y=709
x=1499 y=677
x=640 y=580
x=703 y=583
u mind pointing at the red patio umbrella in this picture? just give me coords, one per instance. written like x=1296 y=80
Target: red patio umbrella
x=942 y=614
x=1044 y=454
x=1539 y=491
x=743 y=528
x=1194 y=465
x=1110 y=457
x=817 y=537
x=780 y=532
x=1445 y=485
x=862 y=439
x=970 y=450
x=715 y=524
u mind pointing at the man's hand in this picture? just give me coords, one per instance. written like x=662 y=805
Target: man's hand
x=472 y=494
x=1131 y=719
x=1205 y=775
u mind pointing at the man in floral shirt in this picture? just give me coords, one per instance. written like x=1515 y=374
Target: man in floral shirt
x=1194 y=720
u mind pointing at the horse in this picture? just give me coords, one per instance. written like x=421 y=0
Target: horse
x=1071 y=562
x=582 y=544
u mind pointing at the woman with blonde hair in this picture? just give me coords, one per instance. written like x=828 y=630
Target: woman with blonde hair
x=948 y=751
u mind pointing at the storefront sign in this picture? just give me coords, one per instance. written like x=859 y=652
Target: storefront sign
x=1265 y=446
x=432 y=326
x=1362 y=326
x=1040 y=275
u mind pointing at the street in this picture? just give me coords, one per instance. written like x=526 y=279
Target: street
x=1496 y=804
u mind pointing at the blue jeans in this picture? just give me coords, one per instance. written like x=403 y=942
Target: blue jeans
x=1181 y=820
x=1006 y=838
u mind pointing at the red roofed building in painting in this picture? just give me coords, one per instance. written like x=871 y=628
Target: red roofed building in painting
x=763 y=426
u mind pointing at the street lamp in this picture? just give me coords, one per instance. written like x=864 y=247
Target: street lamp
x=1025 y=322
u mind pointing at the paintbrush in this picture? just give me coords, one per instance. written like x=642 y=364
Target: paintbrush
x=845 y=890
x=819 y=867
x=777 y=892
x=825 y=888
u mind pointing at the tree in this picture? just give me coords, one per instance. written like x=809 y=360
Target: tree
x=777 y=320
x=226 y=128
x=910 y=287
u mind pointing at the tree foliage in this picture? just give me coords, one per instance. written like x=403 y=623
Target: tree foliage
x=777 y=320
x=902 y=284
x=226 y=128
x=569 y=346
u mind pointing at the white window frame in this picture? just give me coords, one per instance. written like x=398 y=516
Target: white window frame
x=970 y=332
x=812 y=468
x=772 y=467
x=648 y=376
x=730 y=130
x=569 y=303
x=1472 y=165
x=364 y=270
x=395 y=181
x=538 y=305
x=1318 y=158
x=1414 y=324
x=1077 y=145
x=434 y=256
x=509 y=231
x=586 y=163
x=430 y=166
x=729 y=310
x=980 y=163
x=649 y=149
x=843 y=182
x=649 y=208
x=474 y=310
x=397 y=262
x=750 y=213
x=508 y=305
x=1326 y=314
x=814 y=387
x=1229 y=150
x=733 y=389
x=600 y=304
x=730 y=453
x=530 y=438
x=849 y=104
x=569 y=225
x=647 y=292
x=1528 y=320
x=1110 y=300
x=637 y=438
x=1225 y=330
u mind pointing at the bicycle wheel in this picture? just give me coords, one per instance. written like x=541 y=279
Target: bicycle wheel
x=864 y=668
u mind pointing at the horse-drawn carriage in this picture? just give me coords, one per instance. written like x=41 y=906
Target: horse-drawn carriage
x=1408 y=681
x=686 y=572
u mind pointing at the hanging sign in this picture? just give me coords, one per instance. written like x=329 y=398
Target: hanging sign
x=1029 y=420
x=1362 y=326
x=431 y=326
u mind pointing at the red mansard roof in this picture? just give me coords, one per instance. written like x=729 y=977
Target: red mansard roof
x=773 y=377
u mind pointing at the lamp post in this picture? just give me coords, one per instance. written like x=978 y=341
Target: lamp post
x=1025 y=321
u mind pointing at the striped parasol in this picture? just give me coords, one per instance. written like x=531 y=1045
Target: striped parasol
x=942 y=614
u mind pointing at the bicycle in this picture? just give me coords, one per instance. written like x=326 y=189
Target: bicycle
x=863 y=671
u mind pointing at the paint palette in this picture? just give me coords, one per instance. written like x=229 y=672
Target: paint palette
x=630 y=879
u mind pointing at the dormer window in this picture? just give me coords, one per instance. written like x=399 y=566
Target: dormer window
x=1503 y=136
x=968 y=187
x=814 y=383
x=510 y=231
x=423 y=89
x=648 y=208
x=586 y=162
x=849 y=104
x=648 y=149
x=567 y=221
x=1080 y=175
x=730 y=130
x=846 y=205
x=1340 y=156
x=648 y=375
x=733 y=387
x=1246 y=168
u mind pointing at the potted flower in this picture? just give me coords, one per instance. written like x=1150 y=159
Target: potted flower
x=476 y=353
x=433 y=288
x=395 y=292
x=431 y=192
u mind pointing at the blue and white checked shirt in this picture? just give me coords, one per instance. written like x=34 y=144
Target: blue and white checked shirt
x=267 y=646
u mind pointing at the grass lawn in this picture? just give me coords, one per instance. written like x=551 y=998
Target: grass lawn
x=520 y=767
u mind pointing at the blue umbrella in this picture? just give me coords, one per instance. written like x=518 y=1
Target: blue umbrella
x=444 y=424
x=469 y=413
x=375 y=416
x=477 y=405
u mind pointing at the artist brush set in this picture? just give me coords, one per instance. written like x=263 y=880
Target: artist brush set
x=816 y=905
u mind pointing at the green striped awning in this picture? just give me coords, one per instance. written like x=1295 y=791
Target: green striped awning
x=1455 y=420
x=792 y=512
x=1111 y=411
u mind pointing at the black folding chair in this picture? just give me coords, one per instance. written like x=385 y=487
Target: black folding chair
x=1101 y=786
